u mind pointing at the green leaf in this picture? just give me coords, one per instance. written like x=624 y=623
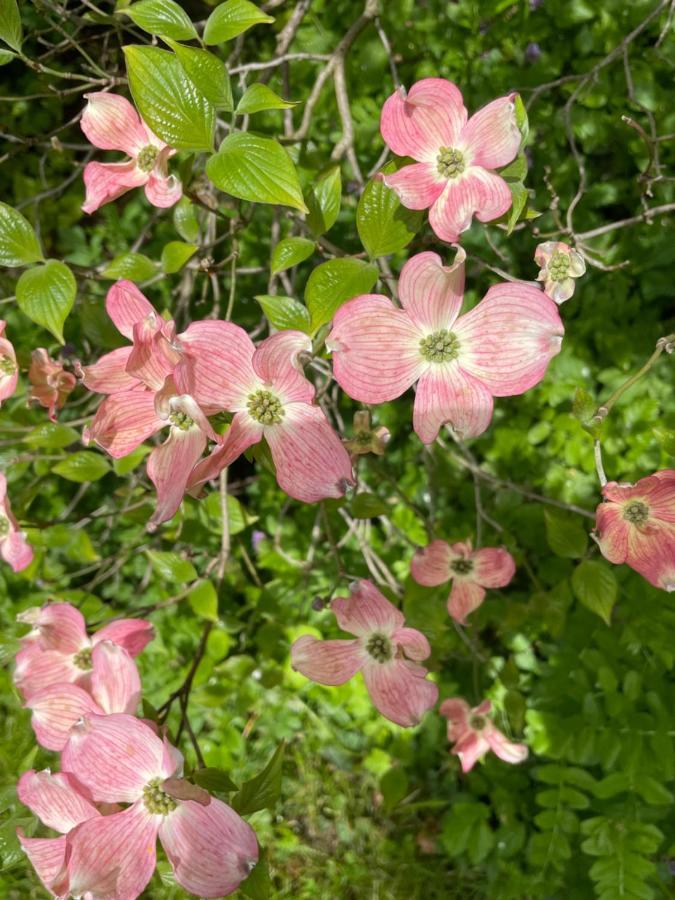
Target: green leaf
x=134 y=266
x=19 y=245
x=168 y=100
x=284 y=313
x=237 y=516
x=565 y=534
x=323 y=201
x=46 y=294
x=128 y=463
x=263 y=791
x=616 y=783
x=171 y=566
x=384 y=225
x=214 y=780
x=163 y=17
x=258 y=97
x=334 y=282
x=52 y=436
x=208 y=74
x=6 y=56
x=393 y=787
x=583 y=405
x=185 y=220
x=515 y=171
x=258 y=885
x=11 y=31
x=595 y=586
x=175 y=254
x=203 y=600
x=231 y=19
x=521 y=119
x=368 y=506
x=519 y=198
x=652 y=791
x=290 y=252
x=256 y=168
x=82 y=467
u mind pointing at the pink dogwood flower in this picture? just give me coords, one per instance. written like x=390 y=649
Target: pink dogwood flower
x=120 y=759
x=500 y=348
x=452 y=175
x=636 y=525
x=9 y=371
x=266 y=389
x=384 y=651
x=50 y=383
x=110 y=122
x=559 y=265
x=59 y=650
x=471 y=571
x=474 y=734
x=14 y=548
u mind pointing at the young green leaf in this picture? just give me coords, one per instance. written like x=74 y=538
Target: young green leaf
x=595 y=586
x=11 y=31
x=519 y=198
x=290 y=252
x=203 y=601
x=231 y=19
x=284 y=313
x=82 y=467
x=162 y=17
x=19 y=245
x=46 y=294
x=52 y=436
x=334 y=282
x=323 y=201
x=134 y=266
x=175 y=254
x=214 y=780
x=261 y=792
x=185 y=220
x=565 y=534
x=172 y=567
x=368 y=506
x=258 y=885
x=384 y=225
x=207 y=73
x=258 y=97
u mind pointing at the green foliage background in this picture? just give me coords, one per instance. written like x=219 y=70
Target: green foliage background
x=368 y=809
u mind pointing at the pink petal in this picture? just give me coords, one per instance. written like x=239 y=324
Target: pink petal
x=465 y=597
x=430 y=292
x=211 y=849
x=376 y=349
x=417 y=186
x=326 y=662
x=508 y=340
x=448 y=395
x=111 y=123
x=152 y=358
x=502 y=747
x=126 y=305
x=60 y=626
x=47 y=856
x=105 y=182
x=651 y=552
x=115 y=682
x=659 y=495
x=276 y=363
x=109 y=375
x=399 y=690
x=170 y=467
x=493 y=567
x=413 y=643
x=366 y=610
x=430 y=565
x=8 y=382
x=491 y=136
x=431 y=116
x=56 y=709
x=220 y=374
x=476 y=192
x=124 y=420
x=310 y=459
x=113 y=856
x=37 y=669
x=16 y=551
x=115 y=756
x=470 y=749
x=457 y=712
x=163 y=191
x=242 y=433
x=56 y=799
x=131 y=634
x=559 y=291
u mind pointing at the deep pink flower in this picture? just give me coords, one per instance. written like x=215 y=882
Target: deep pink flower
x=111 y=123
x=471 y=571
x=58 y=649
x=452 y=175
x=474 y=734
x=9 y=371
x=558 y=265
x=50 y=383
x=636 y=525
x=384 y=651
x=14 y=548
x=271 y=399
x=499 y=348
x=120 y=759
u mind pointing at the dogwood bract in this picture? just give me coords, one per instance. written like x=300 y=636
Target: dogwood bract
x=473 y=734
x=499 y=348
x=9 y=371
x=14 y=548
x=384 y=651
x=471 y=571
x=452 y=175
x=559 y=266
x=50 y=383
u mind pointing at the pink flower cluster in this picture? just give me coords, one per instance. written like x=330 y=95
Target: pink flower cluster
x=120 y=784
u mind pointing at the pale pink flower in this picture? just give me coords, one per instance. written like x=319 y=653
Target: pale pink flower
x=452 y=174
x=270 y=397
x=14 y=548
x=50 y=383
x=471 y=571
x=111 y=123
x=474 y=734
x=9 y=370
x=120 y=759
x=636 y=525
x=559 y=265
x=499 y=348
x=58 y=649
x=384 y=651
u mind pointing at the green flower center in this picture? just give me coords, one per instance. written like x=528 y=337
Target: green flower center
x=636 y=512
x=379 y=647
x=450 y=162
x=82 y=659
x=181 y=420
x=439 y=347
x=265 y=408
x=146 y=158
x=156 y=800
x=462 y=566
x=558 y=267
x=4 y=527
x=477 y=723
x=7 y=366
x=363 y=438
